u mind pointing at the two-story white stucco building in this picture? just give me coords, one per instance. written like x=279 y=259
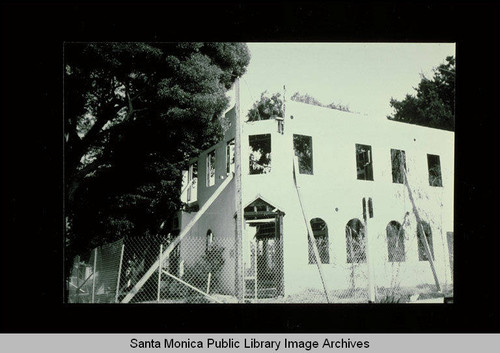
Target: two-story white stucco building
x=352 y=194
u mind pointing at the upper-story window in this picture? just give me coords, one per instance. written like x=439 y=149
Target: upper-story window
x=230 y=157
x=434 y=166
x=398 y=160
x=364 y=163
x=210 y=177
x=192 y=183
x=260 y=153
x=302 y=145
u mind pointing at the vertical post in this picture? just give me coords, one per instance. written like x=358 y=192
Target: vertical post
x=239 y=283
x=119 y=274
x=281 y=254
x=159 y=274
x=371 y=282
x=94 y=275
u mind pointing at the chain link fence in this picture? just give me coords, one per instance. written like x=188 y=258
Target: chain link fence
x=94 y=277
x=196 y=269
x=110 y=272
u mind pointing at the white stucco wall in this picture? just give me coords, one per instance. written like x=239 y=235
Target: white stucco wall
x=334 y=194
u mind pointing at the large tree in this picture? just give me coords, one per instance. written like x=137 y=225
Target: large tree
x=434 y=103
x=134 y=114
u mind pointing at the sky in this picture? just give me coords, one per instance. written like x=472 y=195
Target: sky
x=363 y=76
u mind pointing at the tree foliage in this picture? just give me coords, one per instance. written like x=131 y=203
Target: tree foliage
x=134 y=115
x=267 y=107
x=434 y=102
x=271 y=106
x=306 y=98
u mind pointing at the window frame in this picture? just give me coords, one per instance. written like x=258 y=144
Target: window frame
x=230 y=158
x=302 y=169
x=323 y=245
x=368 y=166
x=435 y=181
x=399 y=177
x=398 y=238
x=208 y=165
x=265 y=157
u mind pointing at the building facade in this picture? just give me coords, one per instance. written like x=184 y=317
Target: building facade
x=350 y=173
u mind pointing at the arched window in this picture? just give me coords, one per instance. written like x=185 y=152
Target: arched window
x=395 y=242
x=210 y=240
x=424 y=227
x=355 y=241
x=320 y=232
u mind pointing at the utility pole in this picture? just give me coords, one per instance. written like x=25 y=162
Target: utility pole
x=239 y=284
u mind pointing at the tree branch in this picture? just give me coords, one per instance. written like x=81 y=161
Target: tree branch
x=77 y=177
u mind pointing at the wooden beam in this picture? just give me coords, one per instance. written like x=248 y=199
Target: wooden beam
x=239 y=270
x=192 y=287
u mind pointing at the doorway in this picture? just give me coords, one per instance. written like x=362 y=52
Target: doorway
x=263 y=251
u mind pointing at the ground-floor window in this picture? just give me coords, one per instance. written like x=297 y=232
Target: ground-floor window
x=320 y=232
x=424 y=227
x=355 y=241
x=395 y=242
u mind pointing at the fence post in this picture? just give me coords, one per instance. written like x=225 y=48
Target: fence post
x=94 y=274
x=119 y=274
x=371 y=281
x=159 y=274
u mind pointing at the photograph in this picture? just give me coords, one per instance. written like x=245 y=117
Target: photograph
x=259 y=172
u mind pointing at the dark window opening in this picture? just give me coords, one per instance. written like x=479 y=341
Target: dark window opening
x=421 y=228
x=355 y=241
x=302 y=145
x=370 y=207
x=364 y=209
x=211 y=168
x=434 y=166
x=210 y=240
x=320 y=233
x=230 y=157
x=260 y=154
x=395 y=242
x=192 y=180
x=398 y=159
x=364 y=163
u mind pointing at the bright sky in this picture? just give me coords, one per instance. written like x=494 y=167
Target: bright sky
x=361 y=76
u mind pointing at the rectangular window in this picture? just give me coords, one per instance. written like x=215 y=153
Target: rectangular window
x=302 y=145
x=211 y=168
x=230 y=157
x=260 y=154
x=192 y=183
x=434 y=166
x=364 y=163
x=398 y=159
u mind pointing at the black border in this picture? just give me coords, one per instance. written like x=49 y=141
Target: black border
x=31 y=242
